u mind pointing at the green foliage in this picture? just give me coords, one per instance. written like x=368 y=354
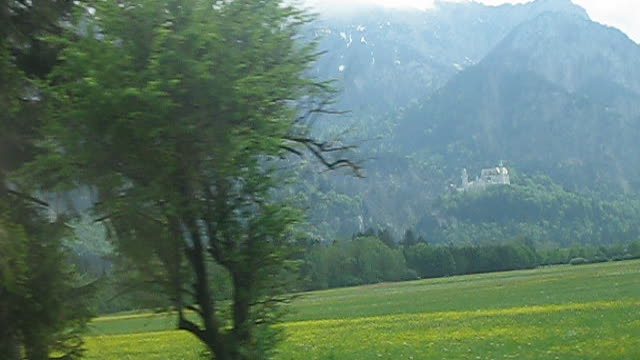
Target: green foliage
x=367 y=259
x=387 y=238
x=43 y=308
x=429 y=261
x=489 y=258
x=42 y=304
x=363 y=260
x=537 y=208
x=437 y=261
x=178 y=114
x=634 y=249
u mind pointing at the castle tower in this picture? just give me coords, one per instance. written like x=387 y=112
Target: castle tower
x=504 y=174
x=465 y=179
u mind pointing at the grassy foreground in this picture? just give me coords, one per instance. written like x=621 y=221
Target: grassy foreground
x=564 y=312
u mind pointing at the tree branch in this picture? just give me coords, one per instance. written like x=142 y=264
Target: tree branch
x=319 y=150
x=194 y=309
x=187 y=325
x=28 y=197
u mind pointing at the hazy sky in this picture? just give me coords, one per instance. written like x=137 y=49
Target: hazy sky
x=622 y=14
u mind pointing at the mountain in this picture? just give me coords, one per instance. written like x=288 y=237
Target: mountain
x=558 y=95
x=464 y=85
x=570 y=51
x=387 y=58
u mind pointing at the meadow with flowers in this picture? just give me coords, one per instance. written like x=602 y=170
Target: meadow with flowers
x=560 y=312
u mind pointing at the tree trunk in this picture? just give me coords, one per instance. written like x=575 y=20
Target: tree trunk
x=9 y=345
x=210 y=333
x=241 y=317
x=36 y=348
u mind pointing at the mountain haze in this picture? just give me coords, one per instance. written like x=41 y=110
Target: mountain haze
x=464 y=85
x=389 y=57
x=557 y=95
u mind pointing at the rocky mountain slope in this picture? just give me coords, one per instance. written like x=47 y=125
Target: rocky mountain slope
x=385 y=58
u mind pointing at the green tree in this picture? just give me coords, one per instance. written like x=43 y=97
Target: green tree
x=41 y=311
x=387 y=238
x=375 y=262
x=634 y=249
x=179 y=115
x=430 y=261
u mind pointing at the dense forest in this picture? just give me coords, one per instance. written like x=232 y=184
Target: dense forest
x=537 y=208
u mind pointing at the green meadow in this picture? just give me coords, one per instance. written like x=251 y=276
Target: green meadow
x=561 y=312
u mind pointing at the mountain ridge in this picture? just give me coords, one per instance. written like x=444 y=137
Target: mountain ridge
x=375 y=49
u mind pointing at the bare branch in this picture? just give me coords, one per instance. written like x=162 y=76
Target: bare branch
x=319 y=150
x=322 y=146
x=319 y=108
x=291 y=150
x=103 y=218
x=28 y=197
x=114 y=215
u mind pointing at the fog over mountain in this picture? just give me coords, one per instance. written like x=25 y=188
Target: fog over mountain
x=621 y=14
x=404 y=55
x=539 y=85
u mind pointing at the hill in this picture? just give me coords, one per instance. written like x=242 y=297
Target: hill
x=533 y=208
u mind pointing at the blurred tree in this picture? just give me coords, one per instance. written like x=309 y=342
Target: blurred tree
x=40 y=309
x=180 y=114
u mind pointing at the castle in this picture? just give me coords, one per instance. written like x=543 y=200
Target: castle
x=488 y=177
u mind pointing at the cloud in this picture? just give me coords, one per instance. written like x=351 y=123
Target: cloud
x=622 y=14
x=342 y=4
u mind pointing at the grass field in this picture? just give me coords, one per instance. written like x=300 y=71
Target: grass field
x=563 y=312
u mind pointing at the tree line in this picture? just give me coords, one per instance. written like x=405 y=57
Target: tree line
x=374 y=256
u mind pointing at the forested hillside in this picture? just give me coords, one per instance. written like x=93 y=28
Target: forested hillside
x=532 y=208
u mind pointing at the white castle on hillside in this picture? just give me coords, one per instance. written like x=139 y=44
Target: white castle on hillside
x=488 y=177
